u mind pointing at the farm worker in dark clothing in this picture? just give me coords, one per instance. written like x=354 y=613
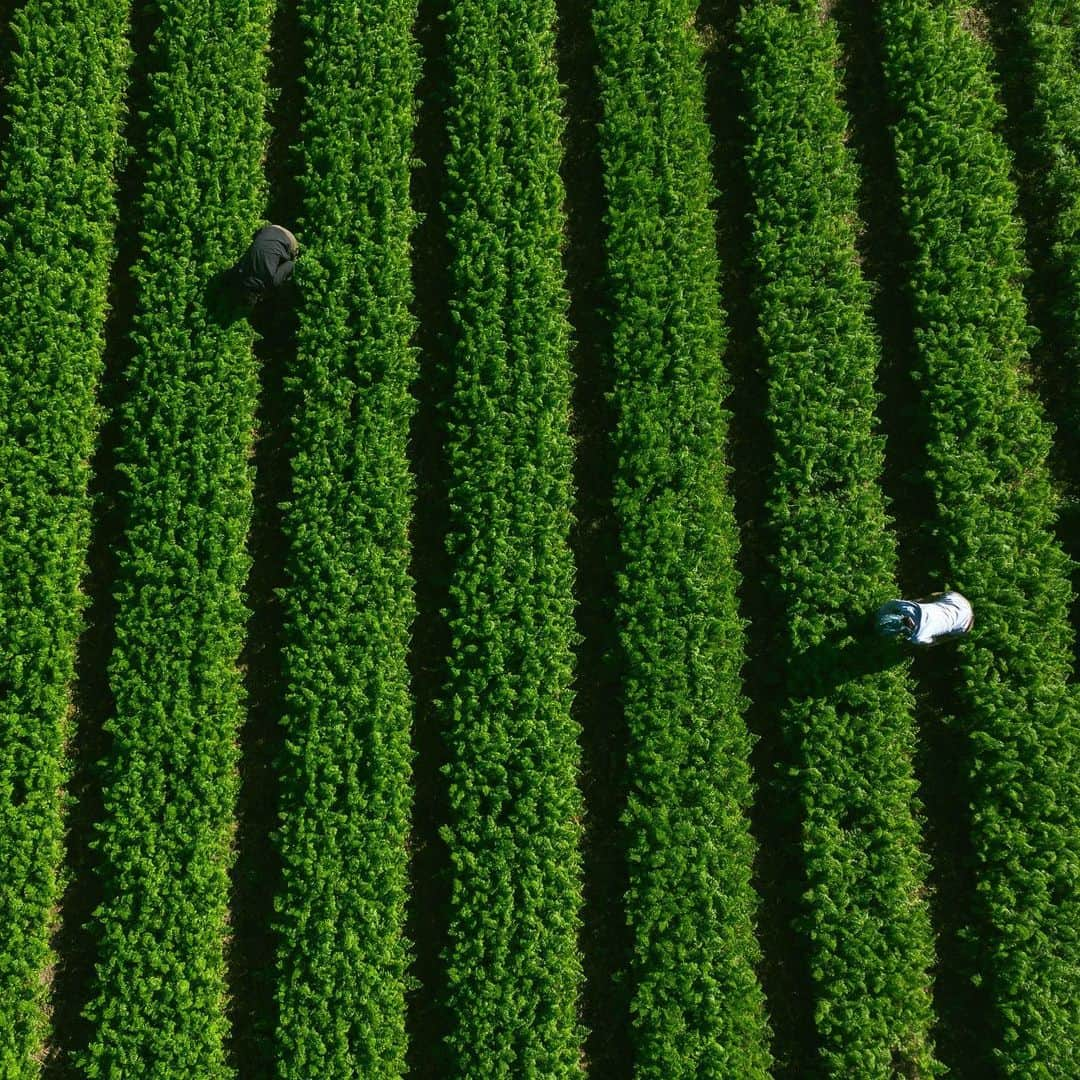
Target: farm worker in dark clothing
x=926 y=622
x=266 y=263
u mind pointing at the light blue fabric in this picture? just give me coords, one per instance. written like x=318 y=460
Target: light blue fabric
x=892 y=615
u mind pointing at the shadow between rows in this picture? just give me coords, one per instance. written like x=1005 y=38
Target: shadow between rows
x=257 y=872
x=605 y=938
x=8 y=43
x=427 y=925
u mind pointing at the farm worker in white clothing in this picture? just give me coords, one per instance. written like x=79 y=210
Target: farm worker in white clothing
x=925 y=622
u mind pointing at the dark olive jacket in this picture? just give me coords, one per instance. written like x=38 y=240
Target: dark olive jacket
x=267 y=262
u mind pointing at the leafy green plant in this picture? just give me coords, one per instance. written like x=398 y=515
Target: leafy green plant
x=846 y=708
x=57 y=215
x=159 y=1003
x=697 y=1009
x=1041 y=54
x=993 y=529
x=513 y=967
x=346 y=790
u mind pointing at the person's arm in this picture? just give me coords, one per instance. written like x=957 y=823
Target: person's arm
x=283 y=272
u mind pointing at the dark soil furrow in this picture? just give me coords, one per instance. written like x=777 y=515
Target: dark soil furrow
x=605 y=936
x=428 y=916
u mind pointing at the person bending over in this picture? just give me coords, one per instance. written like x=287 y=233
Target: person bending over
x=267 y=262
x=931 y=621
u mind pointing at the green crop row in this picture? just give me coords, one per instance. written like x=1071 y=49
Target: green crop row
x=346 y=794
x=1050 y=59
x=843 y=699
x=992 y=529
x=57 y=215
x=697 y=1008
x=512 y=962
x=158 y=1006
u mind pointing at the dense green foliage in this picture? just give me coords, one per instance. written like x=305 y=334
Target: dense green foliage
x=513 y=967
x=57 y=210
x=1043 y=53
x=160 y=997
x=697 y=1008
x=993 y=532
x=851 y=979
x=346 y=787
x=843 y=702
x=1054 y=29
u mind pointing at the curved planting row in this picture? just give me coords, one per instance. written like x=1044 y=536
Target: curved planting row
x=843 y=700
x=513 y=967
x=159 y=1005
x=346 y=768
x=57 y=214
x=993 y=530
x=697 y=1007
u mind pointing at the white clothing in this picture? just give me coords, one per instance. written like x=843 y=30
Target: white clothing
x=949 y=614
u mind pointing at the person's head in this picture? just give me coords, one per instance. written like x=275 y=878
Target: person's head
x=892 y=621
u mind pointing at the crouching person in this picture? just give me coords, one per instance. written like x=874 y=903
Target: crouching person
x=931 y=621
x=267 y=263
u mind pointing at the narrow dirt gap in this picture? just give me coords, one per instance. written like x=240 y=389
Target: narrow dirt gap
x=944 y=752
x=605 y=938
x=8 y=9
x=256 y=874
x=428 y=911
x=1046 y=288
x=92 y=701
x=778 y=876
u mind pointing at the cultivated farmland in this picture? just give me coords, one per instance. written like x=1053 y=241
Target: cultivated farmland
x=460 y=666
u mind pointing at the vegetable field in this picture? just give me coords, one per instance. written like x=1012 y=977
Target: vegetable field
x=461 y=665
